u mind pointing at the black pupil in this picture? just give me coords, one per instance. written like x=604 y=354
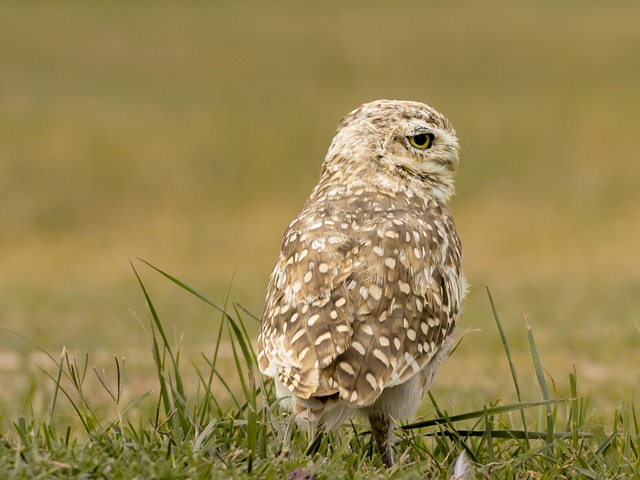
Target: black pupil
x=420 y=140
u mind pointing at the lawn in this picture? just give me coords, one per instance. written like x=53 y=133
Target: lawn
x=190 y=134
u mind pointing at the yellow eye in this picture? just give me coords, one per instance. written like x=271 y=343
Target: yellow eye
x=422 y=141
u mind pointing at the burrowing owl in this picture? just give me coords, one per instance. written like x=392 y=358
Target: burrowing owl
x=367 y=288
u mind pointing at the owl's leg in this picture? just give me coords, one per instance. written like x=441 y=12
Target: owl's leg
x=382 y=431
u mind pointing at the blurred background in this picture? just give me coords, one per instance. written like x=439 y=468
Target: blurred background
x=189 y=134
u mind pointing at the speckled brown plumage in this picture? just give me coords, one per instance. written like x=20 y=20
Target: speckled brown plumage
x=367 y=288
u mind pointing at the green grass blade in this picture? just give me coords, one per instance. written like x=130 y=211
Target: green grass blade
x=541 y=380
x=479 y=414
x=489 y=438
x=54 y=396
x=512 y=365
x=248 y=352
x=167 y=387
x=225 y=385
x=508 y=434
x=575 y=413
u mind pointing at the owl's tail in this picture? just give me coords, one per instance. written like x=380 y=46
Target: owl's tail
x=328 y=411
x=325 y=411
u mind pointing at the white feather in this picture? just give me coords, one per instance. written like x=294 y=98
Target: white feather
x=463 y=470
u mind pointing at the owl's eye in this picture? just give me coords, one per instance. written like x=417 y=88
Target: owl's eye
x=422 y=141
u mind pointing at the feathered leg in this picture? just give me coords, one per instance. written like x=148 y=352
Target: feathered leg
x=382 y=431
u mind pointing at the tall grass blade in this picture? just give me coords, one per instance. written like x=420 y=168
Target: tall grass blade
x=166 y=385
x=479 y=414
x=575 y=413
x=489 y=438
x=541 y=380
x=54 y=396
x=241 y=339
x=249 y=353
x=512 y=365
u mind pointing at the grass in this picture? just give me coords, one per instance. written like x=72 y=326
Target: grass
x=191 y=133
x=230 y=425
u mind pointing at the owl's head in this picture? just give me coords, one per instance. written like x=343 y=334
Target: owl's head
x=395 y=143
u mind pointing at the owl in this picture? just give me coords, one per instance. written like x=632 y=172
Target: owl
x=367 y=289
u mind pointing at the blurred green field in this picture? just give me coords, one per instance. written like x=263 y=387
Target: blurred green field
x=189 y=134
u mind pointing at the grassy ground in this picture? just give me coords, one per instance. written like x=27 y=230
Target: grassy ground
x=190 y=134
x=218 y=431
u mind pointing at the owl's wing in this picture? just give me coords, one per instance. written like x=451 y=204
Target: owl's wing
x=307 y=321
x=356 y=310
x=407 y=289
